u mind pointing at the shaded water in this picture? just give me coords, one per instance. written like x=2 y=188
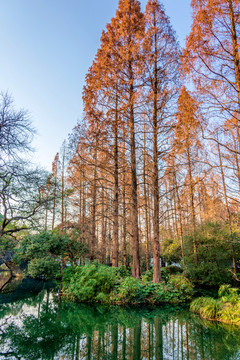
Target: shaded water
x=35 y=324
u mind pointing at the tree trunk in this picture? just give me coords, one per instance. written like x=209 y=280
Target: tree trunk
x=145 y=204
x=193 y=214
x=227 y=208
x=156 y=246
x=179 y=207
x=115 y=252
x=93 y=235
x=134 y=198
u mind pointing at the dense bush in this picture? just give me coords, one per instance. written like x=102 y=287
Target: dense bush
x=171 y=250
x=213 y=242
x=183 y=284
x=214 y=255
x=173 y=269
x=89 y=283
x=49 y=251
x=148 y=275
x=129 y=290
x=226 y=308
x=122 y=271
x=100 y=283
x=47 y=267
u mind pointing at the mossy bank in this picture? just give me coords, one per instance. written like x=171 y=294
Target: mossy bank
x=225 y=309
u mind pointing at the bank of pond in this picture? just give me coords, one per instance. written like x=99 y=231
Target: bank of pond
x=95 y=283
x=37 y=323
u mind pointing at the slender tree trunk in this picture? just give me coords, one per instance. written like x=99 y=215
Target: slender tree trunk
x=115 y=253
x=103 y=229
x=124 y=207
x=46 y=217
x=124 y=343
x=83 y=202
x=134 y=198
x=150 y=217
x=63 y=188
x=193 y=214
x=94 y=199
x=156 y=246
x=145 y=204
x=54 y=202
x=235 y=49
x=179 y=213
x=237 y=162
x=227 y=208
x=80 y=201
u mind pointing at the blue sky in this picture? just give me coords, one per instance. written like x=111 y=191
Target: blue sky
x=46 y=48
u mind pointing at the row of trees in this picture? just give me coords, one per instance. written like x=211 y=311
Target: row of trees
x=151 y=161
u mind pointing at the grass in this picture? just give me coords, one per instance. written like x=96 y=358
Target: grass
x=225 y=309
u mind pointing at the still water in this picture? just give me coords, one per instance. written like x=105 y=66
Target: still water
x=36 y=324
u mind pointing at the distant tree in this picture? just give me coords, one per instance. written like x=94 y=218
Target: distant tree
x=16 y=131
x=21 y=200
x=187 y=143
x=48 y=252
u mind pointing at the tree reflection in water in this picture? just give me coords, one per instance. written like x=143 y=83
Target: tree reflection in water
x=40 y=327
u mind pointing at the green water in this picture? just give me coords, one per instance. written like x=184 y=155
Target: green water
x=36 y=324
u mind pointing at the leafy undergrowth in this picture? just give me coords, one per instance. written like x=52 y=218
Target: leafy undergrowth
x=226 y=308
x=108 y=285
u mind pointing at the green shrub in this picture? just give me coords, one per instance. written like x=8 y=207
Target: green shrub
x=179 y=282
x=129 y=290
x=46 y=267
x=228 y=294
x=164 y=274
x=85 y=283
x=49 y=249
x=214 y=254
x=122 y=271
x=147 y=276
x=166 y=293
x=100 y=283
x=173 y=269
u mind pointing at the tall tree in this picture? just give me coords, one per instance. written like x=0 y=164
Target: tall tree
x=187 y=143
x=162 y=64
x=128 y=26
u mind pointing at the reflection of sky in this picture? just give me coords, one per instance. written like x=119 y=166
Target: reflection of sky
x=15 y=316
x=46 y=50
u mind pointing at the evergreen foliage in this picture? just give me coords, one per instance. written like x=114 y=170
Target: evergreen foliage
x=49 y=251
x=214 y=254
x=99 y=283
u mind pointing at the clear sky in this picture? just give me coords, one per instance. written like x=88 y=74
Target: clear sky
x=46 y=48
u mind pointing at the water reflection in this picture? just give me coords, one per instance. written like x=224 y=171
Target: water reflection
x=43 y=327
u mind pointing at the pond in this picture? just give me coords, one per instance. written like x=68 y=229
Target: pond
x=36 y=324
